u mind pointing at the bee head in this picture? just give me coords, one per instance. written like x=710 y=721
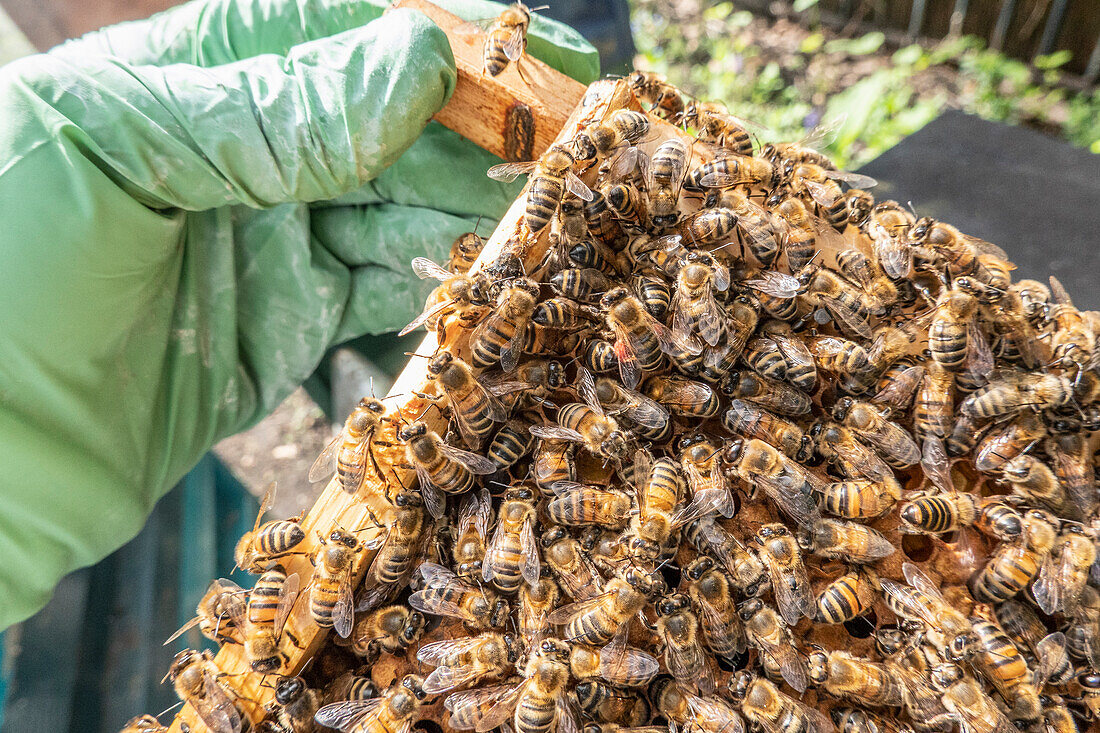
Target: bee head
x=514 y=648
x=961 y=648
x=412 y=431
x=500 y=614
x=552 y=536
x=289 y=689
x=842 y=408
x=408 y=498
x=750 y=608
x=414 y=684
x=739 y=685
x=555 y=649
x=943 y=676
x=699 y=567
x=555 y=375
x=613 y=296
x=672 y=604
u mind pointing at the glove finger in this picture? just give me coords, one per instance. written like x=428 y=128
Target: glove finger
x=379 y=243
x=318 y=123
x=215 y=32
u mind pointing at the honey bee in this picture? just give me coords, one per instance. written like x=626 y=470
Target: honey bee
x=655 y=295
x=1073 y=338
x=440 y=467
x=256 y=550
x=223 y=602
x=510 y=444
x=890 y=440
x=708 y=714
x=852 y=458
x=563 y=313
x=1000 y=662
x=469 y=660
x=575 y=573
x=194 y=677
x=399 y=549
x=888 y=226
x=331 y=605
x=464 y=252
x=842 y=357
x=472 y=531
x=662 y=98
x=1014 y=565
x=787 y=483
x=553 y=177
x=553 y=462
x=1004 y=444
x=349 y=686
x=295 y=705
x=347 y=452
x=513 y=556
x=499 y=337
x=579 y=283
x=779 y=356
x=683 y=397
x=715 y=125
x=474 y=408
x=588 y=425
x=709 y=226
x=932 y=410
x=762 y=231
x=823 y=187
x=762 y=703
x=605 y=702
x=769 y=393
x=750 y=421
x=949 y=512
x=849 y=677
x=461 y=295
x=622 y=128
x=640 y=340
x=879 y=291
x=708 y=537
x=972 y=708
x=538 y=701
x=666 y=171
x=695 y=312
x=659 y=487
x=679 y=630
x=850 y=595
x=849 y=541
x=596 y=620
x=843 y=301
x=700 y=460
x=617 y=663
x=921 y=601
x=897 y=385
x=445 y=594
x=783 y=561
x=767 y=632
x=1083 y=632
x=393 y=712
x=1010 y=391
x=387 y=630
x=535 y=603
x=1072 y=466
x=710 y=592
x=861 y=498
x=646 y=418
x=1061 y=588
x=803 y=228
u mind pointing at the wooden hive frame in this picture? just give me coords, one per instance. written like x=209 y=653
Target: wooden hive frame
x=514 y=117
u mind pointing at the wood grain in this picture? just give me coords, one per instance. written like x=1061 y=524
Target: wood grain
x=481 y=106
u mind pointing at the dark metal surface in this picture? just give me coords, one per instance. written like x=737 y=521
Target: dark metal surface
x=1035 y=196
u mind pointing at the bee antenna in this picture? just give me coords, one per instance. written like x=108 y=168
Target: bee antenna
x=422 y=356
x=167 y=710
x=478 y=223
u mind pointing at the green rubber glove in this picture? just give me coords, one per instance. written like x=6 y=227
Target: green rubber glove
x=195 y=209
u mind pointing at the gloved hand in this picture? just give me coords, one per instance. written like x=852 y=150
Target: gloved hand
x=195 y=208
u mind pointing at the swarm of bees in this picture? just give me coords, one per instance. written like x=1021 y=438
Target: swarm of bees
x=746 y=450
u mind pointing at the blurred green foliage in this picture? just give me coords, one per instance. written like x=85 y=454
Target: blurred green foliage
x=880 y=99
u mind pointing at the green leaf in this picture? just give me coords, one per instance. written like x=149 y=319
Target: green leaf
x=908 y=55
x=718 y=12
x=1095 y=147
x=803 y=5
x=865 y=44
x=1053 y=60
x=811 y=43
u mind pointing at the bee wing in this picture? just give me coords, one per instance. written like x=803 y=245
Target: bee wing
x=775 y=284
x=586 y=388
x=512 y=350
x=532 y=564
x=582 y=584
x=434 y=501
x=343 y=613
x=794 y=597
x=624 y=161
x=986 y=248
x=1049 y=652
x=564 y=614
x=515 y=43
x=325 y=464
x=854 y=322
x=855 y=180
x=719 y=717
x=869 y=463
x=287 y=595
x=790 y=499
x=722 y=180
x=427 y=315
x=793 y=350
x=425 y=268
x=182 y=630
x=629 y=371
x=492 y=552
x=215 y=709
x=476 y=464
x=440 y=653
x=1058 y=292
x=482 y=709
x=682 y=322
x=824 y=133
x=645 y=412
x=565 y=716
x=936 y=464
x=477 y=508
x=791 y=666
x=620 y=664
x=899 y=392
x=555 y=432
x=727 y=632
x=894 y=255
x=916 y=578
x=683 y=661
x=345 y=716
x=444 y=679
x=509 y=172
x=979 y=357
x=577 y=187
x=824 y=195
x=982 y=718
x=1047 y=588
